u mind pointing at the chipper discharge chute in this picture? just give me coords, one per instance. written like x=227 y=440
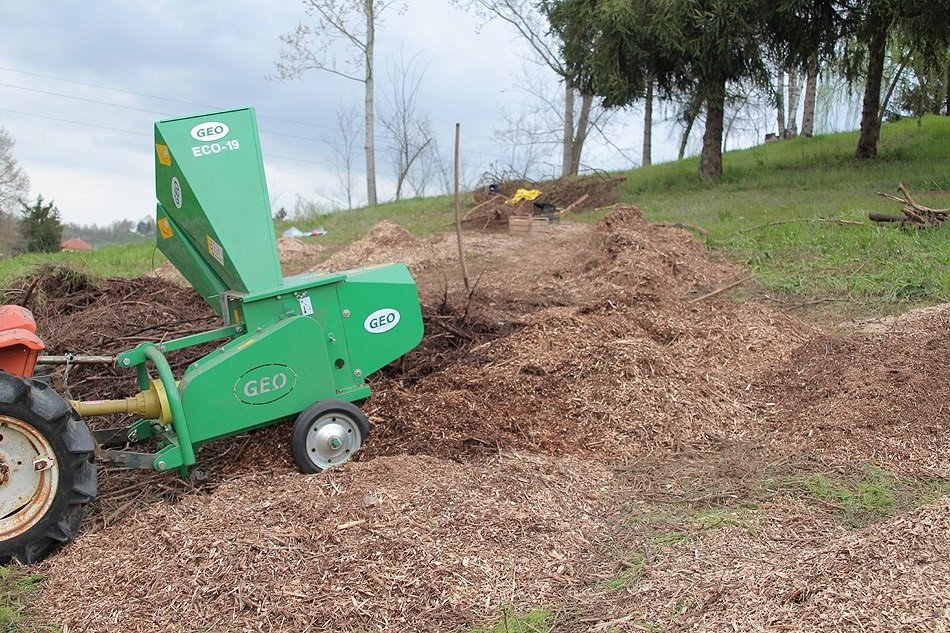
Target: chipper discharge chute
x=296 y=347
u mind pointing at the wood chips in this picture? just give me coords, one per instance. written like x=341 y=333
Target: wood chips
x=519 y=455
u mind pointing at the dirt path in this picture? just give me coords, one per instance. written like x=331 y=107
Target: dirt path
x=578 y=435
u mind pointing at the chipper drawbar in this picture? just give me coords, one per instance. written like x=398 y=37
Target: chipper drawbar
x=290 y=347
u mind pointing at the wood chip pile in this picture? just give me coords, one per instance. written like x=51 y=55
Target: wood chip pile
x=402 y=543
x=501 y=467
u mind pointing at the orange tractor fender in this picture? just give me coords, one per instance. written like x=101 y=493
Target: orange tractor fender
x=19 y=344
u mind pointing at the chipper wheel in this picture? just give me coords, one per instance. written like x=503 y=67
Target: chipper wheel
x=327 y=434
x=47 y=472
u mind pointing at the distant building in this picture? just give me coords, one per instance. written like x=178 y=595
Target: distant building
x=74 y=244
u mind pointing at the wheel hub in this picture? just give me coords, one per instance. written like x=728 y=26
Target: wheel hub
x=28 y=476
x=332 y=439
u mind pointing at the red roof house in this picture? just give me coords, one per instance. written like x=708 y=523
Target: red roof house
x=74 y=244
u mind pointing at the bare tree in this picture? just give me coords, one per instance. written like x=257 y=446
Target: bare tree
x=409 y=128
x=343 y=148
x=780 y=102
x=811 y=90
x=532 y=26
x=352 y=24
x=794 y=90
x=647 y=156
x=14 y=187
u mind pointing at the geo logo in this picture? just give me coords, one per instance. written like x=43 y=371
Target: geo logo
x=209 y=131
x=381 y=321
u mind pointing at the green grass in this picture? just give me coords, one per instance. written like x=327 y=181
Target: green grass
x=865 y=497
x=419 y=216
x=633 y=567
x=16 y=591
x=879 y=267
x=112 y=261
x=537 y=621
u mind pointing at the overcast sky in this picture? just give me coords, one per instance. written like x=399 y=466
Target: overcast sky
x=82 y=83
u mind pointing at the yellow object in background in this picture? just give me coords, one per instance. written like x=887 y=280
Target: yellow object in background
x=524 y=194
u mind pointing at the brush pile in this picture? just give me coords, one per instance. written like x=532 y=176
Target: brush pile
x=491 y=210
x=914 y=215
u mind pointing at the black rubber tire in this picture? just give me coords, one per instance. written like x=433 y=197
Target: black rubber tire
x=34 y=403
x=306 y=420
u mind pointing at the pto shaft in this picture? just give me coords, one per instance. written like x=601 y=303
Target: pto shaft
x=150 y=404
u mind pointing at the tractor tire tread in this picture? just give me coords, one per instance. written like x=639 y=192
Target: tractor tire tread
x=35 y=403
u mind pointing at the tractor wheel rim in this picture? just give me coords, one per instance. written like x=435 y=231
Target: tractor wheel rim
x=29 y=476
x=332 y=440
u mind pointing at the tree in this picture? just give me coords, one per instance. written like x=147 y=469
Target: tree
x=409 y=129
x=41 y=226
x=681 y=44
x=811 y=93
x=546 y=43
x=701 y=48
x=312 y=47
x=920 y=24
x=343 y=149
x=14 y=185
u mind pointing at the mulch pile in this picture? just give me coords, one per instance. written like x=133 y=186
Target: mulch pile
x=486 y=481
x=490 y=210
x=402 y=543
x=878 y=397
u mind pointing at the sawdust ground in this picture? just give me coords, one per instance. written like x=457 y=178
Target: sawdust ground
x=502 y=469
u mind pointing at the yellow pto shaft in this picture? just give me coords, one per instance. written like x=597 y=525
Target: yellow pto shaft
x=151 y=404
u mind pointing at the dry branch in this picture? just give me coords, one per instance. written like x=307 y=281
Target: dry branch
x=915 y=215
x=825 y=220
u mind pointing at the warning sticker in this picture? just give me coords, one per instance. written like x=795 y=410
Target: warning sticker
x=215 y=250
x=164 y=156
x=165 y=228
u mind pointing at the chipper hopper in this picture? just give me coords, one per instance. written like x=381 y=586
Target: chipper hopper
x=296 y=347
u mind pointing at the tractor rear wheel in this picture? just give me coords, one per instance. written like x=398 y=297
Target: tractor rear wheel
x=327 y=434
x=47 y=469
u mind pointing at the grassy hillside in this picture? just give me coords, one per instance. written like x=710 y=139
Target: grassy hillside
x=796 y=183
x=802 y=181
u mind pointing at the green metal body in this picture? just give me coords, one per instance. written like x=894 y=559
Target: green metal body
x=286 y=342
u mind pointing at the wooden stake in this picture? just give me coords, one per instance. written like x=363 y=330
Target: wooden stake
x=458 y=218
x=574 y=204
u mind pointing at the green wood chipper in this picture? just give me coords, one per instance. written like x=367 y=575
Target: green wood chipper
x=296 y=347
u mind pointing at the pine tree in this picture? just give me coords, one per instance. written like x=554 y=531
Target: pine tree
x=41 y=226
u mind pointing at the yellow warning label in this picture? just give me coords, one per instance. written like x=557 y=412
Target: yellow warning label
x=165 y=228
x=164 y=156
x=215 y=250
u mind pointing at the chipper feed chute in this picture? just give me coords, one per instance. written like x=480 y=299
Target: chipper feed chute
x=289 y=348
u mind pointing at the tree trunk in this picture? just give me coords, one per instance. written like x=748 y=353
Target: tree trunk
x=897 y=77
x=791 y=128
x=583 y=122
x=811 y=88
x=567 y=144
x=780 y=102
x=710 y=162
x=871 y=110
x=692 y=111
x=648 y=126
x=370 y=143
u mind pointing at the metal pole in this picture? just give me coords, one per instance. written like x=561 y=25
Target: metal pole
x=70 y=359
x=458 y=220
